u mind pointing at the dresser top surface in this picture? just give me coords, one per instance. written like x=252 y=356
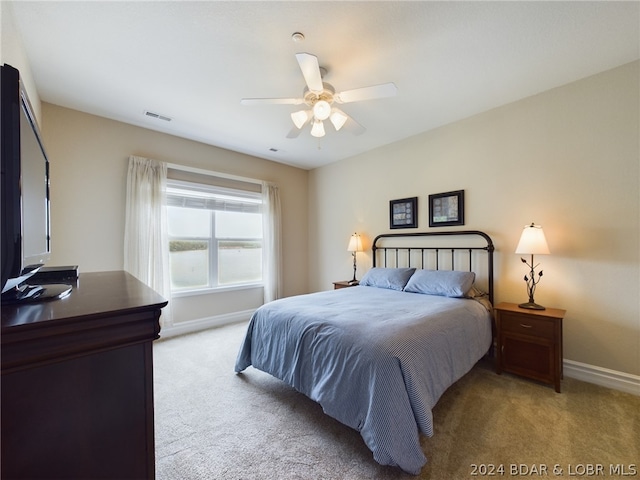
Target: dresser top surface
x=95 y=293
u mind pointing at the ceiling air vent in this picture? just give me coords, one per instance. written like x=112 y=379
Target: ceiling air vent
x=157 y=115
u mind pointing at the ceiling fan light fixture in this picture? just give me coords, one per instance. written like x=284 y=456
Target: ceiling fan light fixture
x=318 y=98
x=338 y=119
x=321 y=109
x=317 y=129
x=300 y=118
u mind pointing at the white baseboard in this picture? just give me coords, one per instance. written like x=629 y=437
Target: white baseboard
x=204 y=323
x=624 y=382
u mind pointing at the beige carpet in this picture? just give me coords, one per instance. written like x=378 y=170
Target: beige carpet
x=213 y=424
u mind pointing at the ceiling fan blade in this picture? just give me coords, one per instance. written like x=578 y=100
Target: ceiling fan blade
x=310 y=71
x=294 y=132
x=271 y=101
x=367 y=93
x=353 y=127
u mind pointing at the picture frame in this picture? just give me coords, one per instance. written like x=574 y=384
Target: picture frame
x=403 y=213
x=446 y=209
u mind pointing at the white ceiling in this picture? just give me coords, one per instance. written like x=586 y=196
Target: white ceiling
x=194 y=61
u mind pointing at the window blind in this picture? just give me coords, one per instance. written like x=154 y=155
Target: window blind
x=187 y=194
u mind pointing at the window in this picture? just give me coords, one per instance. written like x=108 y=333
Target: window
x=215 y=236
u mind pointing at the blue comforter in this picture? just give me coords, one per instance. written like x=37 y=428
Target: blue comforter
x=376 y=360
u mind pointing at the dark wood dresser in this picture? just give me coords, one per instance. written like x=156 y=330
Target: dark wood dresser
x=77 y=382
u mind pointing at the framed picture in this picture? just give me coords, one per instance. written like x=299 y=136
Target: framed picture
x=403 y=213
x=446 y=209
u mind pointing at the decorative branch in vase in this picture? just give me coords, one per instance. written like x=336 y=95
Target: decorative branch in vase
x=531 y=283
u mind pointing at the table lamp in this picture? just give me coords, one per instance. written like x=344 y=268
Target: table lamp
x=532 y=242
x=355 y=246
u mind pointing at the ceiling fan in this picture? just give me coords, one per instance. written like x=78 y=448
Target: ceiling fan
x=320 y=98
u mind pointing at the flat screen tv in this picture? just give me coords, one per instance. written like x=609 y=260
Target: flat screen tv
x=25 y=207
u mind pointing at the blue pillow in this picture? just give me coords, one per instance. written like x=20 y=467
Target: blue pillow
x=391 y=278
x=446 y=283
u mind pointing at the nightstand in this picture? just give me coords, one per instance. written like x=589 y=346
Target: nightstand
x=344 y=284
x=530 y=342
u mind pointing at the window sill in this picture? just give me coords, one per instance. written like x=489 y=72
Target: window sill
x=214 y=290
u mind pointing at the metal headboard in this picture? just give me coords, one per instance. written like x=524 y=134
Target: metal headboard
x=394 y=250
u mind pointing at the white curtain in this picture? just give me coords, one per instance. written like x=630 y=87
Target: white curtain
x=271 y=243
x=146 y=245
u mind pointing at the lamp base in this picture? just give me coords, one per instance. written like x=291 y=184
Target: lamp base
x=531 y=306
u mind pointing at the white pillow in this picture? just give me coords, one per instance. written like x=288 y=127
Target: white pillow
x=391 y=278
x=446 y=283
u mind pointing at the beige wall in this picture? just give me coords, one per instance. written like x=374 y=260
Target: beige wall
x=567 y=159
x=12 y=53
x=89 y=158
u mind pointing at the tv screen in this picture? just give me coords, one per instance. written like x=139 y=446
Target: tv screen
x=25 y=186
x=35 y=191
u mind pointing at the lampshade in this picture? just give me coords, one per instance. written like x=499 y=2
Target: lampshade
x=338 y=119
x=300 y=117
x=317 y=130
x=532 y=241
x=321 y=109
x=355 y=245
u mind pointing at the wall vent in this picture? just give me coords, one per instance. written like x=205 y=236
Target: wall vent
x=157 y=115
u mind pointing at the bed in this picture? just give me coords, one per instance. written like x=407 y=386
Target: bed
x=378 y=356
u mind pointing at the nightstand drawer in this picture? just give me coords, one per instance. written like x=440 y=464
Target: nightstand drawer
x=526 y=325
